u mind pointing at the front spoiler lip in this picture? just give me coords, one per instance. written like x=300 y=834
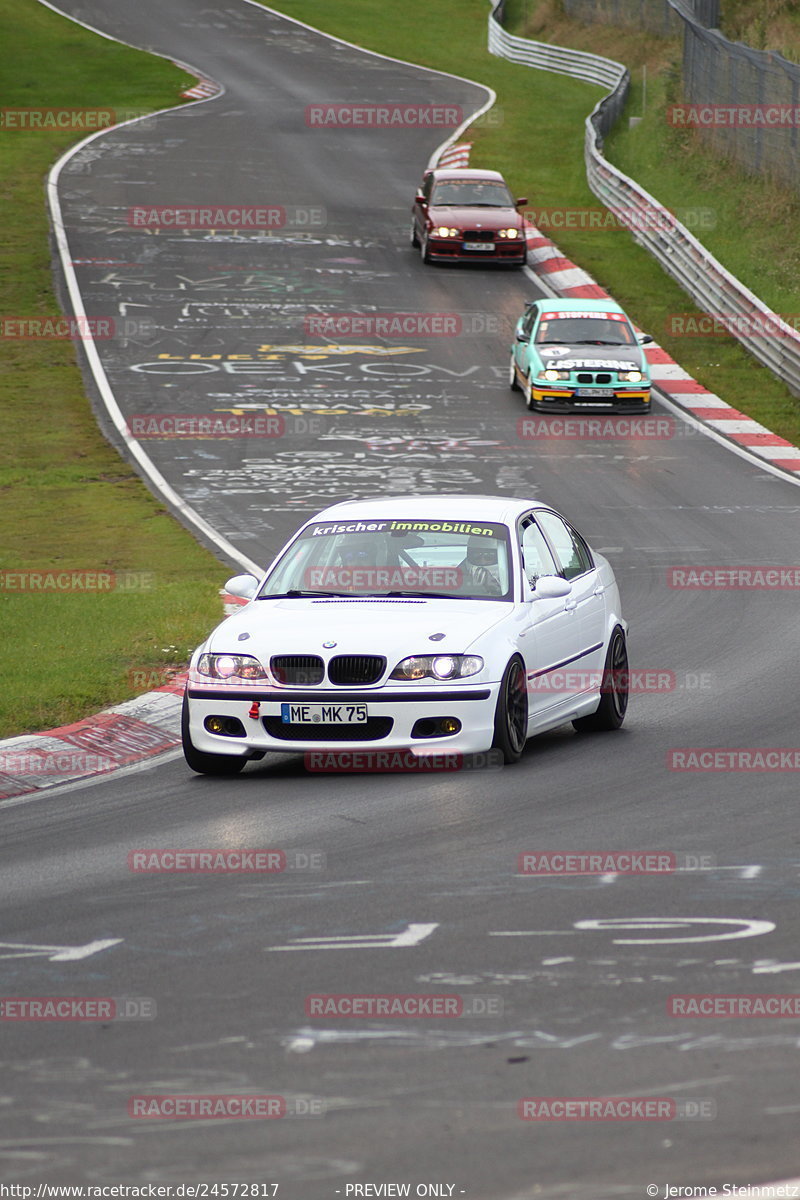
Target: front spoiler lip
x=328 y=697
x=617 y=402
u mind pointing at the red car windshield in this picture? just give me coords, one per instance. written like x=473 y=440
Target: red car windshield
x=467 y=194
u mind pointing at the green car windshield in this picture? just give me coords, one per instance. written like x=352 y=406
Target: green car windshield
x=578 y=330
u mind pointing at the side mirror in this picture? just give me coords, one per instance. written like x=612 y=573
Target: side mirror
x=521 y=336
x=643 y=339
x=243 y=586
x=419 y=198
x=551 y=587
x=523 y=200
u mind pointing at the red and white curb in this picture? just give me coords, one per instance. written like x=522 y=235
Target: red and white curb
x=98 y=745
x=455 y=156
x=119 y=736
x=564 y=278
x=203 y=90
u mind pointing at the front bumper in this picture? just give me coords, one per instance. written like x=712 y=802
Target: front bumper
x=452 y=250
x=566 y=399
x=393 y=713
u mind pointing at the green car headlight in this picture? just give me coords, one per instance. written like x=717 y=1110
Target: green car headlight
x=631 y=376
x=551 y=375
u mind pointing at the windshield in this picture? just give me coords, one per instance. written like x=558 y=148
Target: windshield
x=584 y=329
x=464 y=193
x=453 y=559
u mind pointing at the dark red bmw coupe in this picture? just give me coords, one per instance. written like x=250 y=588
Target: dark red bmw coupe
x=461 y=215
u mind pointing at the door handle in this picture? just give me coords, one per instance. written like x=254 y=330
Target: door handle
x=570 y=605
x=599 y=590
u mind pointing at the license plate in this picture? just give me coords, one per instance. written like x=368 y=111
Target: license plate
x=324 y=714
x=479 y=245
x=592 y=392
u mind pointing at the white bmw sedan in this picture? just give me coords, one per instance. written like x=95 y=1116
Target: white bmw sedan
x=430 y=624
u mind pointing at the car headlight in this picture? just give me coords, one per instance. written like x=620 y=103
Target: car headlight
x=631 y=376
x=438 y=666
x=552 y=375
x=229 y=666
x=508 y=233
x=445 y=231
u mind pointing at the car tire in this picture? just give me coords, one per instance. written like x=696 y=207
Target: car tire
x=528 y=393
x=423 y=249
x=414 y=238
x=198 y=760
x=511 y=714
x=614 y=693
x=512 y=375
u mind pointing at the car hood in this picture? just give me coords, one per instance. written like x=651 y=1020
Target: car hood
x=567 y=356
x=390 y=627
x=474 y=218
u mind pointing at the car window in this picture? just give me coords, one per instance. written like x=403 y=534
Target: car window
x=610 y=329
x=536 y=554
x=458 y=558
x=426 y=186
x=528 y=321
x=489 y=194
x=572 y=551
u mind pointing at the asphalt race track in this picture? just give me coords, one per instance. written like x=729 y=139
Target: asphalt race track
x=575 y=971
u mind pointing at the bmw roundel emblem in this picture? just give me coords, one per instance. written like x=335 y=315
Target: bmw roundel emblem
x=328 y=645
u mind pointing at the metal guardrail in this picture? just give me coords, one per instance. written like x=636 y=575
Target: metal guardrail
x=761 y=331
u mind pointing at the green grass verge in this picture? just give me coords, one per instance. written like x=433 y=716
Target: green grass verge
x=539 y=148
x=69 y=501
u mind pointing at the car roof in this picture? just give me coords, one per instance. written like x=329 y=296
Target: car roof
x=438 y=506
x=559 y=305
x=466 y=174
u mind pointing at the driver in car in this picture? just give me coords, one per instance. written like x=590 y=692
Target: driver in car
x=479 y=570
